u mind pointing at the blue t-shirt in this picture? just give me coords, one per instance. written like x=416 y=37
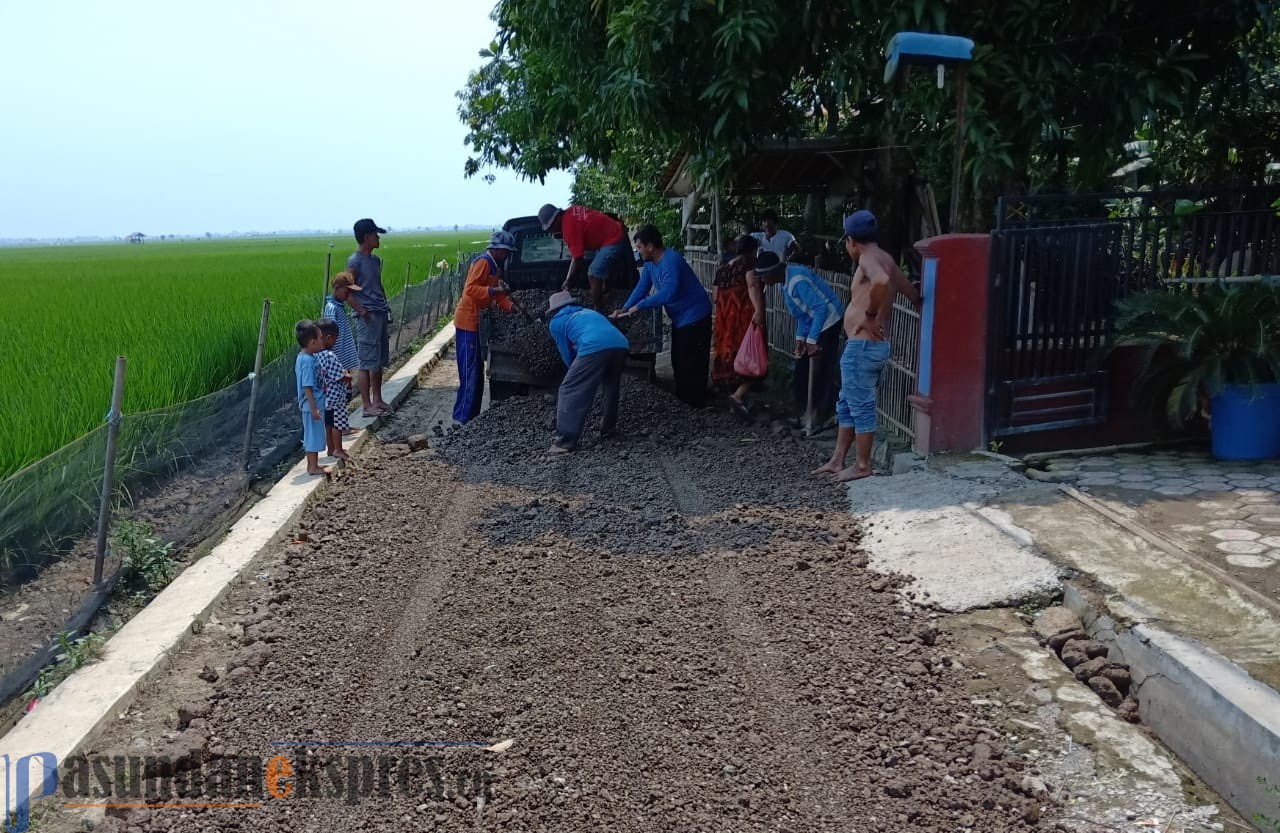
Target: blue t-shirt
x=812 y=303
x=368 y=272
x=307 y=368
x=675 y=286
x=580 y=332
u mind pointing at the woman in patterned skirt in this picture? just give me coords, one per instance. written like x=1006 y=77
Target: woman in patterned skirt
x=739 y=302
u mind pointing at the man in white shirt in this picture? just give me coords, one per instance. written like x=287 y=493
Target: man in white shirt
x=776 y=240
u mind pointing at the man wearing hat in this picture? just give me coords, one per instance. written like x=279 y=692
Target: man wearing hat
x=876 y=282
x=585 y=229
x=373 y=343
x=596 y=353
x=817 y=312
x=483 y=287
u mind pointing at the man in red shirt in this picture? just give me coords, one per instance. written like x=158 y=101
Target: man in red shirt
x=585 y=229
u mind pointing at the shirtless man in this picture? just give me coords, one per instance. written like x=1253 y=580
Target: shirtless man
x=876 y=282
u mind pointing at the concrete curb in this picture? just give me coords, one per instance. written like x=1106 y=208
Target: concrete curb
x=74 y=714
x=1222 y=722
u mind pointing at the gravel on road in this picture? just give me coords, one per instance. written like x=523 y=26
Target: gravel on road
x=675 y=630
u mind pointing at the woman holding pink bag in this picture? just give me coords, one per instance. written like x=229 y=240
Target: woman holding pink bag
x=738 y=297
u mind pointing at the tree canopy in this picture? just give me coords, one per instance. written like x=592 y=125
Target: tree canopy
x=1056 y=89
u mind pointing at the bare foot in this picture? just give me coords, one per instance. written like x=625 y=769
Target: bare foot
x=556 y=450
x=325 y=470
x=829 y=467
x=854 y=472
x=342 y=455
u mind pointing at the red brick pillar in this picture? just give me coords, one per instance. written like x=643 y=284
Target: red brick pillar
x=951 y=384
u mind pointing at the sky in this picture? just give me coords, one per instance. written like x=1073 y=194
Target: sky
x=243 y=115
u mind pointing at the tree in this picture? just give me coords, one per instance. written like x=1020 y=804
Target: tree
x=1055 y=91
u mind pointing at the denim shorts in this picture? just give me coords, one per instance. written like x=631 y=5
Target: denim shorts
x=608 y=260
x=373 y=341
x=860 y=367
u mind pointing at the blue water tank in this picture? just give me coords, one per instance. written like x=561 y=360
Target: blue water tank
x=1246 y=422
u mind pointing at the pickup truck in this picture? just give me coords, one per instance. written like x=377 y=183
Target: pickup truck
x=534 y=271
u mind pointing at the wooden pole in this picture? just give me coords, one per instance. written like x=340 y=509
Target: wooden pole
x=328 y=264
x=404 y=305
x=253 y=385
x=109 y=470
x=962 y=87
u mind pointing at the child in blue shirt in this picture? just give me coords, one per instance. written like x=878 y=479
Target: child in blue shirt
x=310 y=394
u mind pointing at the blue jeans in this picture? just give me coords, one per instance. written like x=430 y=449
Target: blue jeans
x=860 y=368
x=608 y=259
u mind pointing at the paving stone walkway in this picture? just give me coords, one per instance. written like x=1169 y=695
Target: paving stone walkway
x=1226 y=511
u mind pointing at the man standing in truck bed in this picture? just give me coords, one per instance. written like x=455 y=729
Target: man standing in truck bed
x=585 y=229
x=876 y=282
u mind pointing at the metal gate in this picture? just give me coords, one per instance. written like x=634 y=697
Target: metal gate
x=1052 y=290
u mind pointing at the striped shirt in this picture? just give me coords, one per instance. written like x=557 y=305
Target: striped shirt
x=331 y=370
x=345 y=349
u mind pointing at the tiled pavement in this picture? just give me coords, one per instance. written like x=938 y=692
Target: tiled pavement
x=1227 y=511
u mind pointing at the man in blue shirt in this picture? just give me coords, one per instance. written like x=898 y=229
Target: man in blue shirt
x=373 y=327
x=596 y=353
x=818 y=312
x=676 y=288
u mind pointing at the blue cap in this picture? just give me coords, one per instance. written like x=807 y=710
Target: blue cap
x=502 y=240
x=861 y=225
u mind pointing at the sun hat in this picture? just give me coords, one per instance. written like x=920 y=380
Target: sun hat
x=558 y=300
x=547 y=215
x=502 y=240
x=767 y=262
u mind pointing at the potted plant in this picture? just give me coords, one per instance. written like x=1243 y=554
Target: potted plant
x=1218 y=342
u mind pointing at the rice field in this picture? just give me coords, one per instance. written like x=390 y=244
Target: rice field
x=184 y=313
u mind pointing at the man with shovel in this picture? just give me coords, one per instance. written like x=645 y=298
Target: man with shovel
x=596 y=353
x=483 y=288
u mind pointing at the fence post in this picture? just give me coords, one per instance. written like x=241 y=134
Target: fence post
x=253 y=384
x=109 y=470
x=328 y=264
x=404 y=305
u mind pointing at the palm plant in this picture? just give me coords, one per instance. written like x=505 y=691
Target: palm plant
x=1225 y=334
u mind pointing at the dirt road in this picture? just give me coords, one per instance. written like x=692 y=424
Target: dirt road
x=675 y=630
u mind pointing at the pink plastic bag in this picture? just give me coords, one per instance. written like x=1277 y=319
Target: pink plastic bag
x=752 y=361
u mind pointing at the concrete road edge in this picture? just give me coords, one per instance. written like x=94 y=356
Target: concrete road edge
x=74 y=713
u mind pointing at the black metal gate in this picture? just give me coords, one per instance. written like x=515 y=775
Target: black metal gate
x=1051 y=296
x=1058 y=264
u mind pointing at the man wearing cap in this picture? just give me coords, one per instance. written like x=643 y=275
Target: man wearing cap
x=585 y=229
x=483 y=287
x=817 y=312
x=596 y=353
x=876 y=282
x=373 y=343
x=677 y=288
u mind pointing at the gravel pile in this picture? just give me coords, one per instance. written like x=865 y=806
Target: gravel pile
x=676 y=629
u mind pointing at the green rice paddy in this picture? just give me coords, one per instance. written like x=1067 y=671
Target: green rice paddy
x=184 y=313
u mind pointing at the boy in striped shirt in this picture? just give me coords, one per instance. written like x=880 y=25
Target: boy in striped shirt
x=335 y=380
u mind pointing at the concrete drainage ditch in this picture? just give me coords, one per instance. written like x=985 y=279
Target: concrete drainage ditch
x=1064 y=634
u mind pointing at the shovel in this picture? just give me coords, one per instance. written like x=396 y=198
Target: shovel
x=808 y=411
x=518 y=306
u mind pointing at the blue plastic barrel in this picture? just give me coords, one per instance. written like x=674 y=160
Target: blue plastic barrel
x=1246 y=422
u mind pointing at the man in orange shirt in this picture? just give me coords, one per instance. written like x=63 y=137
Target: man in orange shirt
x=585 y=229
x=483 y=288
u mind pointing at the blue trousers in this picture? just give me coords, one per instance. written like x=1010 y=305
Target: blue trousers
x=470 y=376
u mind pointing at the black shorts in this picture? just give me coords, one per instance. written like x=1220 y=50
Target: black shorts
x=328 y=419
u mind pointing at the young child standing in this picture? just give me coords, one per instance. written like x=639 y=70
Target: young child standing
x=336 y=382
x=335 y=307
x=310 y=394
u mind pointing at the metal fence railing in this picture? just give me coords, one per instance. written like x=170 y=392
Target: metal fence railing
x=897 y=382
